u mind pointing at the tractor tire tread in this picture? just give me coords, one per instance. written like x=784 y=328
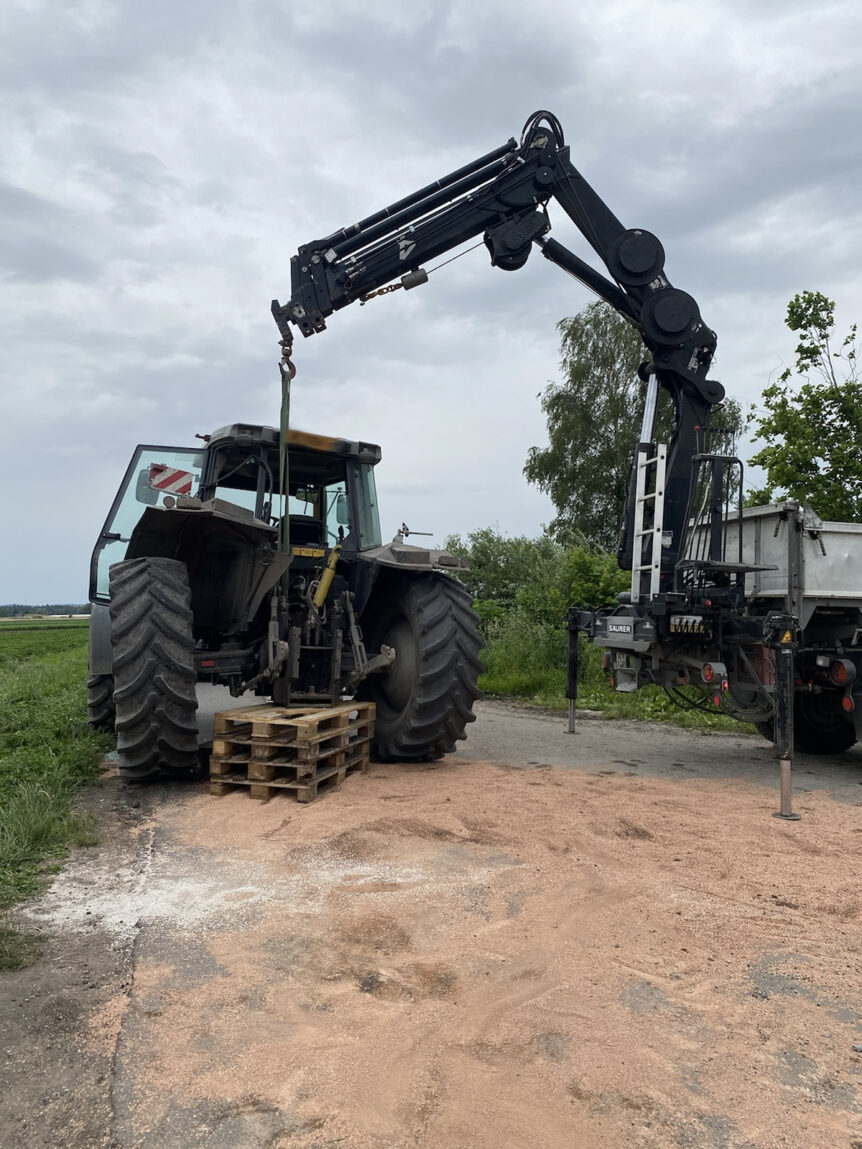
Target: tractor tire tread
x=154 y=672
x=440 y=706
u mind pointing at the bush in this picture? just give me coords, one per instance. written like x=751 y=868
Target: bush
x=536 y=578
x=524 y=658
x=524 y=588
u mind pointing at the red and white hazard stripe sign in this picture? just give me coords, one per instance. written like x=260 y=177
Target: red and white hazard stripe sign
x=170 y=480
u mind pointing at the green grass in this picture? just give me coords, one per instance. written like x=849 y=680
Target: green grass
x=47 y=753
x=527 y=661
x=24 y=643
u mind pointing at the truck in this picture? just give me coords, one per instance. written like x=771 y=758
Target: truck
x=254 y=561
x=757 y=612
x=795 y=583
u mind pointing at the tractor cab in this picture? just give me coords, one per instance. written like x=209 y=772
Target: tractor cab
x=331 y=494
x=331 y=497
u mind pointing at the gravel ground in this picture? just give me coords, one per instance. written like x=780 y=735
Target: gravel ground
x=591 y=940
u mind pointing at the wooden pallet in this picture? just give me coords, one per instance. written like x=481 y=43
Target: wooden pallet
x=303 y=750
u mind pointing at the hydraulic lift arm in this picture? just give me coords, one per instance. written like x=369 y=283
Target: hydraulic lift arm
x=504 y=195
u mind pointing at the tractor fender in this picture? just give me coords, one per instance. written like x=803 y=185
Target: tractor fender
x=398 y=556
x=403 y=557
x=231 y=556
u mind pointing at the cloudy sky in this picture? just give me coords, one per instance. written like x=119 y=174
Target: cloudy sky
x=161 y=162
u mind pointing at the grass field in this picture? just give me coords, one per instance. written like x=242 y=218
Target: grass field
x=47 y=753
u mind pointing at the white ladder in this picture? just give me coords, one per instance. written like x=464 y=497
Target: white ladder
x=647 y=541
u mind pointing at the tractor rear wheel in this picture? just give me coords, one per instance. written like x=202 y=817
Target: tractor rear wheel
x=154 y=668
x=100 y=702
x=425 y=700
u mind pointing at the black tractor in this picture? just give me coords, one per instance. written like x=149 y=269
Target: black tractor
x=256 y=562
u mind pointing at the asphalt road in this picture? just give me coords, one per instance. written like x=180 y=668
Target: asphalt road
x=523 y=736
x=526 y=736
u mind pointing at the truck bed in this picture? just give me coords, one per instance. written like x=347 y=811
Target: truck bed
x=816 y=563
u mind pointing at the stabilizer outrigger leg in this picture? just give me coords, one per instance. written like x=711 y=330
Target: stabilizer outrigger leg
x=572 y=667
x=782 y=639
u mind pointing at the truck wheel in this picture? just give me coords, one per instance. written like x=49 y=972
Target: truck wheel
x=817 y=729
x=425 y=700
x=100 y=702
x=154 y=668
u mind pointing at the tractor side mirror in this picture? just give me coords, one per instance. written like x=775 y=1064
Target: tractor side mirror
x=144 y=493
x=342 y=510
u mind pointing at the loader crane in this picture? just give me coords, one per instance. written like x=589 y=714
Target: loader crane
x=717 y=600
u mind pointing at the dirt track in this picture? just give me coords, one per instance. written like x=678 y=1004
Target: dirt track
x=616 y=946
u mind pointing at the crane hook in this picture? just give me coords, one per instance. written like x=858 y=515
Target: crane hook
x=287 y=367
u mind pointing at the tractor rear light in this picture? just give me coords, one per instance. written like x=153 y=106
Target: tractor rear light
x=708 y=672
x=207 y=662
x=842 y=672
x=848 y=703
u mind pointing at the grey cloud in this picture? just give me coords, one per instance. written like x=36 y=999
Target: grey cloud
x=138 y=183
x=80 y=52
x=456 y=93
x=35 y=240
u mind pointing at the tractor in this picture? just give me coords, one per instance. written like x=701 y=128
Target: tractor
x=255 y=561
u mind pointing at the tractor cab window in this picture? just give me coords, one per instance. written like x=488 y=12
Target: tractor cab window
x=238 y=496
x=318 y=507
x=319 y=514
x=305 y=527
x=365 y=500
x=241 y=478
x=153 y=473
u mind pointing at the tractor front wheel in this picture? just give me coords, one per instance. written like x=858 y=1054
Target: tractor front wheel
x=425 y=700
x=154 y=668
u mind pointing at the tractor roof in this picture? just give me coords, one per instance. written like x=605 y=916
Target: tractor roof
x=247 y=434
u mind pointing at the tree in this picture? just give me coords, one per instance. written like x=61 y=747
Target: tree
x=501 y=568
x=594 y=418
x=812 y=430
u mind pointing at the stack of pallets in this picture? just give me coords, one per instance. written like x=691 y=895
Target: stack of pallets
x=303 y=750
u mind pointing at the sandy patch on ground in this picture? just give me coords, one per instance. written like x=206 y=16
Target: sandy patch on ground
x=471 y=956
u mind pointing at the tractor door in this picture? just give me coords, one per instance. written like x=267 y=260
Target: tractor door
x=181 y=464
